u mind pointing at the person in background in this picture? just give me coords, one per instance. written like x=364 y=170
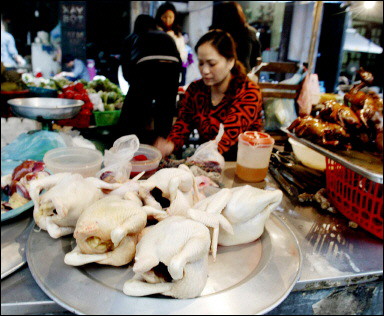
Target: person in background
x=223 y=95
x=78 y=69
x=151 y=64
x=189 y=61
x=55 y=37
x=166 y=16
x=230 y=17
x=9 y=54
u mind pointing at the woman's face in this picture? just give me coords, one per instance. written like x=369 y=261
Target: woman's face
x=214 y=68
x=168 y=18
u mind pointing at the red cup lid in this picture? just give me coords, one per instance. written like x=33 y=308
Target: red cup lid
x=256 y=138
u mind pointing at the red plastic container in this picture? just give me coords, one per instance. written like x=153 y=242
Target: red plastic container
x=356 y=197
x=78 y=121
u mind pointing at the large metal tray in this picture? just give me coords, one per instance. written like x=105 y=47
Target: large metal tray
x=246 y=279
x=13 y=243
x=363 y=163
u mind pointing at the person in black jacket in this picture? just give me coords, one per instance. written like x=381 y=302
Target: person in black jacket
x=151 y=64
x=230 y=17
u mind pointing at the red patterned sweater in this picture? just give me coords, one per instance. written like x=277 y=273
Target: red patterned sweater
x=239 y=111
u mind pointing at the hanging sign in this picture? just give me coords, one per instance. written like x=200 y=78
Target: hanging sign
x=73 y=28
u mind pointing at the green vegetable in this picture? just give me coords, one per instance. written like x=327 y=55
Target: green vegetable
x=112 y=97
x=109 y=107
x=61 y=83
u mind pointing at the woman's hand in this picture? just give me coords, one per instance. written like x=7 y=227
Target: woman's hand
x=61 y=74
x=166 y=147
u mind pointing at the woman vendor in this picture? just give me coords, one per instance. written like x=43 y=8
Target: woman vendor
x=223 y=95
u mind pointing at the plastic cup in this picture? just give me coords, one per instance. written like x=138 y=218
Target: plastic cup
x=253 y=154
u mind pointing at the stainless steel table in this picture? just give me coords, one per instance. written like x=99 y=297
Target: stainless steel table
x=334 y=255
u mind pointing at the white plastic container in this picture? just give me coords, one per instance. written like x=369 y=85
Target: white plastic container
x=150 y=165
x=84 y=161
x=308 y=156
x=253 y=154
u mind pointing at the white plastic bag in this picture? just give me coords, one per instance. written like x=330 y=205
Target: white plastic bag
x=73 y=138
x=252 y=74
x=209 y=151
x=98 y=104
x=117 y=159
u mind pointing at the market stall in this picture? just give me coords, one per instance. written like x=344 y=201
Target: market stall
x=309 y=242
x=305 y=248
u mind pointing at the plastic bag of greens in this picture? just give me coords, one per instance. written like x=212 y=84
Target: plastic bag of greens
x=32 y=145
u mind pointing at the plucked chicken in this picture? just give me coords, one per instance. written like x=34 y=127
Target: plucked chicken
x=106 y=232
x=171 y=259
x=168 y=182
x=67 y=196
x=128 y=186
x=247 y=211
x=182 y=202
x=209 y=212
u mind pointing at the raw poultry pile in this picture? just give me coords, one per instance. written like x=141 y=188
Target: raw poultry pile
x=16 y=185
x=357 y=124
x=165 y=225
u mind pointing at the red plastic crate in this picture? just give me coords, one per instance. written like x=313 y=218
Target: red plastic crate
x=356 y=197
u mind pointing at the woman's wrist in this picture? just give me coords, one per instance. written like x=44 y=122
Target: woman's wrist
x=165 y=146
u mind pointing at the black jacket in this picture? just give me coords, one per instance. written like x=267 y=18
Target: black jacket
x=150 y=45
x=248 y=48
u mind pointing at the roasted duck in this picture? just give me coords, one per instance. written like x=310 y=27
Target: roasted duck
x=372 y=117
x=334 y=112
x=355 y=98
x=369 y=109
x=320 y=132
x=358 y=123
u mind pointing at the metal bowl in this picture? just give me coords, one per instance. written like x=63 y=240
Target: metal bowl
x=47 y=108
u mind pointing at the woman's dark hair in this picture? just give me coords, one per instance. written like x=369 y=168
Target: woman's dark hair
x=225 y=46
x=161 y=10
x=144 y=23
x=230 y=17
